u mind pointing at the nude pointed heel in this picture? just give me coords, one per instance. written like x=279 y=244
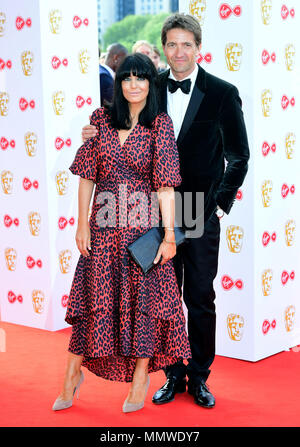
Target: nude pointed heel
x=129 y=407
x=61 y=404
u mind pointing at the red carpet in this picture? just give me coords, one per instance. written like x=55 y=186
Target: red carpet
x=262 y=394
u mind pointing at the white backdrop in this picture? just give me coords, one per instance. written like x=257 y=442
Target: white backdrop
x=49 y=86
x=254 y=45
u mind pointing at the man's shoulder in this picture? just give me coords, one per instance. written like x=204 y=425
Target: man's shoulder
x=219 y=85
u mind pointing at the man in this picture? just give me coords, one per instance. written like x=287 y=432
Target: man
x=114 y=57
x=209 y=128
x=144 y=47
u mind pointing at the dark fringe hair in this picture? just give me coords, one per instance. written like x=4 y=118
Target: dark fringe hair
x=142 y=66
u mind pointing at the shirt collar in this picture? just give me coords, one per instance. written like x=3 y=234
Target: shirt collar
x=111 y=72
x=192 y=76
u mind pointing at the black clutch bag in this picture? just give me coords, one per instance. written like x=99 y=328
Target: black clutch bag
x=144 y=249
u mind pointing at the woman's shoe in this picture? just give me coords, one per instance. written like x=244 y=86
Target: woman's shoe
x=61 y=404
x=128 y=407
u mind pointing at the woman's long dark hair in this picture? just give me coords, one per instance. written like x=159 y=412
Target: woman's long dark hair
x=142 y=66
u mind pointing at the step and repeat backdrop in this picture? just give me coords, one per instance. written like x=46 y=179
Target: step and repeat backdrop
x=254 y=45
x=49 y=85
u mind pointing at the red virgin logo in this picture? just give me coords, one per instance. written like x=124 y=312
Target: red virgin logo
x=266 y=238
x=23 y=104
x=4 y=143
x=77 y=22
x=207 y=58
x=20 y=23
x=285 y=276
x=285 y=189
x=9 y=221
x=12 y=297
x=285 y=12
x=266 y=57
x=59 y=143
x=4 y=64
x=30 y=262
x=239 y=195
x=285 y=101
x=64 y=300
x=228 y=283
x=266 y=148
x=80 y=101
x=56 y=62
x=267 y=325
x=27 y=184
x=225 y=11
x=63 y=222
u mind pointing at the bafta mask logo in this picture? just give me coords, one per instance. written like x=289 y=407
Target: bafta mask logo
x=2 y=23
x=62 y=180
x=289 y=53
x=30 y=140
x=266 y=193
x=65 y=261
x=266 y=101
x=84 y=60
x=198 y=9
x=34 y=223
x=266 y=11
x=4 y=101
x=266 y=281
x=58 y=99
x=38 y=301
x=7 y=182
x=10 y=259
x=55 y=21
x=235 y=327
x=233 y=56
x=290 y=143
x=289 y=318
x=290 y=232
x=234 y=236
x=27 y=59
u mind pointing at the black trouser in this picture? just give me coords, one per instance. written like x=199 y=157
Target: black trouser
x=196 y=264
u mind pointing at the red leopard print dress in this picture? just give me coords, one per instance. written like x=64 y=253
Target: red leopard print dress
x=117 y=313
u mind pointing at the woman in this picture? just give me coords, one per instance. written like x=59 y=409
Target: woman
x=125 y=324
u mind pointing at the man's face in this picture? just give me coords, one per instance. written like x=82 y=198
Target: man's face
x=118 y=59
x=181 y=52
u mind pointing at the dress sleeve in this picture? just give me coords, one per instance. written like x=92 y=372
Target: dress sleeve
x=166 y=169
x=86 y=162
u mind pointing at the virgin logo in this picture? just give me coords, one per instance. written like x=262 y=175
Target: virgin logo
x=225 y=11
x=239 y=195
x=8 y=221
x=80 y=101
x=228 y=283
x=285 y=276
x=267 y=325
x=30 y=262
x=4 y=143
x=64 y=300
x=77 y=22
x=285 y=190
x=56 y=62
x=8 y=64
x=285 y=12
x=20 y=23
x=207 y=58
x=59 y=143
x=12 y=297
x=27 y=184
x=23 y=104
x=285 y=102
x=265 y=57
x=266 y=148
x=63 y=222
x=266 y=238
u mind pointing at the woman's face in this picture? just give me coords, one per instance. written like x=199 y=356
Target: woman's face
x=135 y=89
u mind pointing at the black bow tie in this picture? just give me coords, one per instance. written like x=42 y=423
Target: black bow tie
x=185 y=85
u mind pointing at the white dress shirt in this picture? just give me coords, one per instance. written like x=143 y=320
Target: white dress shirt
x=178 y=101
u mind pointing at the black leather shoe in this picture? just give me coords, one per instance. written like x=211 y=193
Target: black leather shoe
x=167 y=392
x=201 y=393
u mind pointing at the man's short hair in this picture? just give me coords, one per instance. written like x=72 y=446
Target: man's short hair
x=139 y=43
x=116 y=48
x=183 y=21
